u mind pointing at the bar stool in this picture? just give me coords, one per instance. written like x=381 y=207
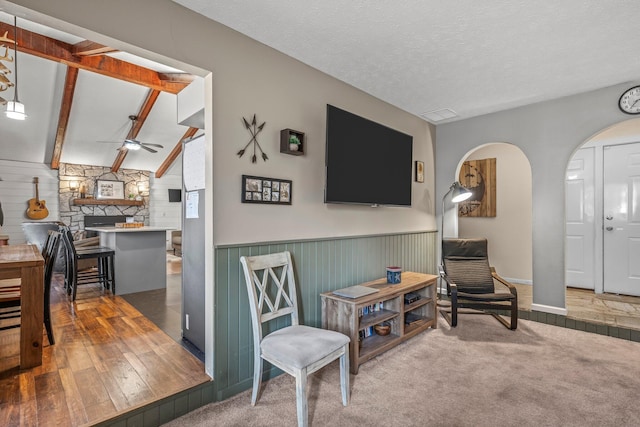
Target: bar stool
x=105 y=274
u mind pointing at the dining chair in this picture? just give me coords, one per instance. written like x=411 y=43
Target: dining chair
x=296 y=349
x=10 y=296
x=105 y=273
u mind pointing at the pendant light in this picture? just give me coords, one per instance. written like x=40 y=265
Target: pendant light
x=15 y=108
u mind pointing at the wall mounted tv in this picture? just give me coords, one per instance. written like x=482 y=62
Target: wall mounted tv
x=175 y=195
x=366 y=162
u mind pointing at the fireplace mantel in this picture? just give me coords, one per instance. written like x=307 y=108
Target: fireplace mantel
x=116 y=202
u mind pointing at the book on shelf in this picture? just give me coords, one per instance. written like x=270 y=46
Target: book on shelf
x=369 y=309
x=410 y=318
x=366 y=311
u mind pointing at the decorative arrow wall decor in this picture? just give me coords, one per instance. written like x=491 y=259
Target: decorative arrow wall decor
x=254 y=129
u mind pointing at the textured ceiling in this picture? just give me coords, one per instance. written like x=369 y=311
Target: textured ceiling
x=473 y=57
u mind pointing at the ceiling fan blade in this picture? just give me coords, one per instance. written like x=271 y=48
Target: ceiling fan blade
x=151 y=150
x=152 y=145
x=110 y=142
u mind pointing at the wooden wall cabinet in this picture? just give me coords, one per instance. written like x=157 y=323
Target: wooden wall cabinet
x=348 y=315
x=284 y=142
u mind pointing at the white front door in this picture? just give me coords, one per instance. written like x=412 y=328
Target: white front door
x=622 y=219
x=580 y=220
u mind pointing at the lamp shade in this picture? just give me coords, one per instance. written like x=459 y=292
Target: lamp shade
x=459 y=193
x=15 y=110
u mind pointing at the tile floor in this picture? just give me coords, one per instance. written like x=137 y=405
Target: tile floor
x=609 y=309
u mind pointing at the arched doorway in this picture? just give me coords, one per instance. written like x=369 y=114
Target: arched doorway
x=602 y=199
x=509 y=231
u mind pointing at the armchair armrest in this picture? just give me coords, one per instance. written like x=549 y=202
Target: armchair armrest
x=510 y=286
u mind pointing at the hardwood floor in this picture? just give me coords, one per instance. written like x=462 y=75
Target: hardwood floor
x=107 y=359
x=582 y=304
x=164 y=306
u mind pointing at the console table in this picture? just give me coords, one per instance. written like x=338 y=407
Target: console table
x=356 y=317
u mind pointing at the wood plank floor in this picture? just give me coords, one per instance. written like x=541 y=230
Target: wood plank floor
x=582 y=304
x=107 y=359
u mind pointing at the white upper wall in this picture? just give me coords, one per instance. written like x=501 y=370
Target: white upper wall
x=250 y=78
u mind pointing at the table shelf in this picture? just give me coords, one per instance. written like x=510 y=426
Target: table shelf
x=345 y=315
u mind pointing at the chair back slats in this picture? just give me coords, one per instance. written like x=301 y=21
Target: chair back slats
x=103 y=256
x=271 y=288
x=49 y=261
x=466 y=263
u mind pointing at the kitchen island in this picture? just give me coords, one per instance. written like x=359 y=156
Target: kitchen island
x=140 y=256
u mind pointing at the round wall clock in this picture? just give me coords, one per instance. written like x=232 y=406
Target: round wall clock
x=629 y=101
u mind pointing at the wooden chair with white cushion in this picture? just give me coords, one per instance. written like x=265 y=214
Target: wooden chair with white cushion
x=296 y=349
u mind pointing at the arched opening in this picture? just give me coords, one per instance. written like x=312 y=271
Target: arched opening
x=601 y=212
x=508 y=232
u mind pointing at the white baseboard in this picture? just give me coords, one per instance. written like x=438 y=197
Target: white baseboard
x=519 y=281
x=549 y=309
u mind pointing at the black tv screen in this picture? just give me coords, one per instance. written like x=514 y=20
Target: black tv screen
x=366 y=162
x=175 y=195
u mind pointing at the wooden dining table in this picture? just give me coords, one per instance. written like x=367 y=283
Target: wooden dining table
x=26 y=263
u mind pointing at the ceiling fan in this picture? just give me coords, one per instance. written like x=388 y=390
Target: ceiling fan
x=134 y=144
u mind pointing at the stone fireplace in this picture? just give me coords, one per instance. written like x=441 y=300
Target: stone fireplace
x=135 y=182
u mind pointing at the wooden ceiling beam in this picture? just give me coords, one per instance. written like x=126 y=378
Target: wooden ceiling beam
x=56 y=50
x=63 y=118
x=174 y=153
x=89 y=48
x=152 y=97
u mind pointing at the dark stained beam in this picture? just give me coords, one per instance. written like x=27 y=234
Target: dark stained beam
x=152 y=97
x=89 y=48
x=56 y=50
x=63 y=119
x=174 y=153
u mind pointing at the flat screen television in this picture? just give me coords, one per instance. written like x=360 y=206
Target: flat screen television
x=175 y=195
x=366 y=162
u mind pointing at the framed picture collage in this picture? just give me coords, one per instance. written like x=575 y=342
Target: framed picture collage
x=274 y=191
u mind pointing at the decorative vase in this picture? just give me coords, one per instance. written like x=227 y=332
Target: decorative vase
x=293 y=147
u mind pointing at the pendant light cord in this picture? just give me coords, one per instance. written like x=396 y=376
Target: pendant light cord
x=15 y=54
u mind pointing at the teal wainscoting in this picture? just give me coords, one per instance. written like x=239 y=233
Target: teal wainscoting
x=320 y=266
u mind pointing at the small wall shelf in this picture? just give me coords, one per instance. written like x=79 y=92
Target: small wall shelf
x=284 y=142
x=116 y=202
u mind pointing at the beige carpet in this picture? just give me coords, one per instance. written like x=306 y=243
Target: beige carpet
x=478 y=374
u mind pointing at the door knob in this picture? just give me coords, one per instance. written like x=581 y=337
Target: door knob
x=609 y=228
x=609 y=217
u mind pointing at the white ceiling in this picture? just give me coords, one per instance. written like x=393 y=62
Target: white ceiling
x=421 y=55
x=473 y=57
x=99 y=112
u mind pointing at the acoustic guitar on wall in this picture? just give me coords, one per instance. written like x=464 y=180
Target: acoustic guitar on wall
x=37 y=208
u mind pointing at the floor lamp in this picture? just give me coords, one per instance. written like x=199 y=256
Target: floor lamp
x=458 y=194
